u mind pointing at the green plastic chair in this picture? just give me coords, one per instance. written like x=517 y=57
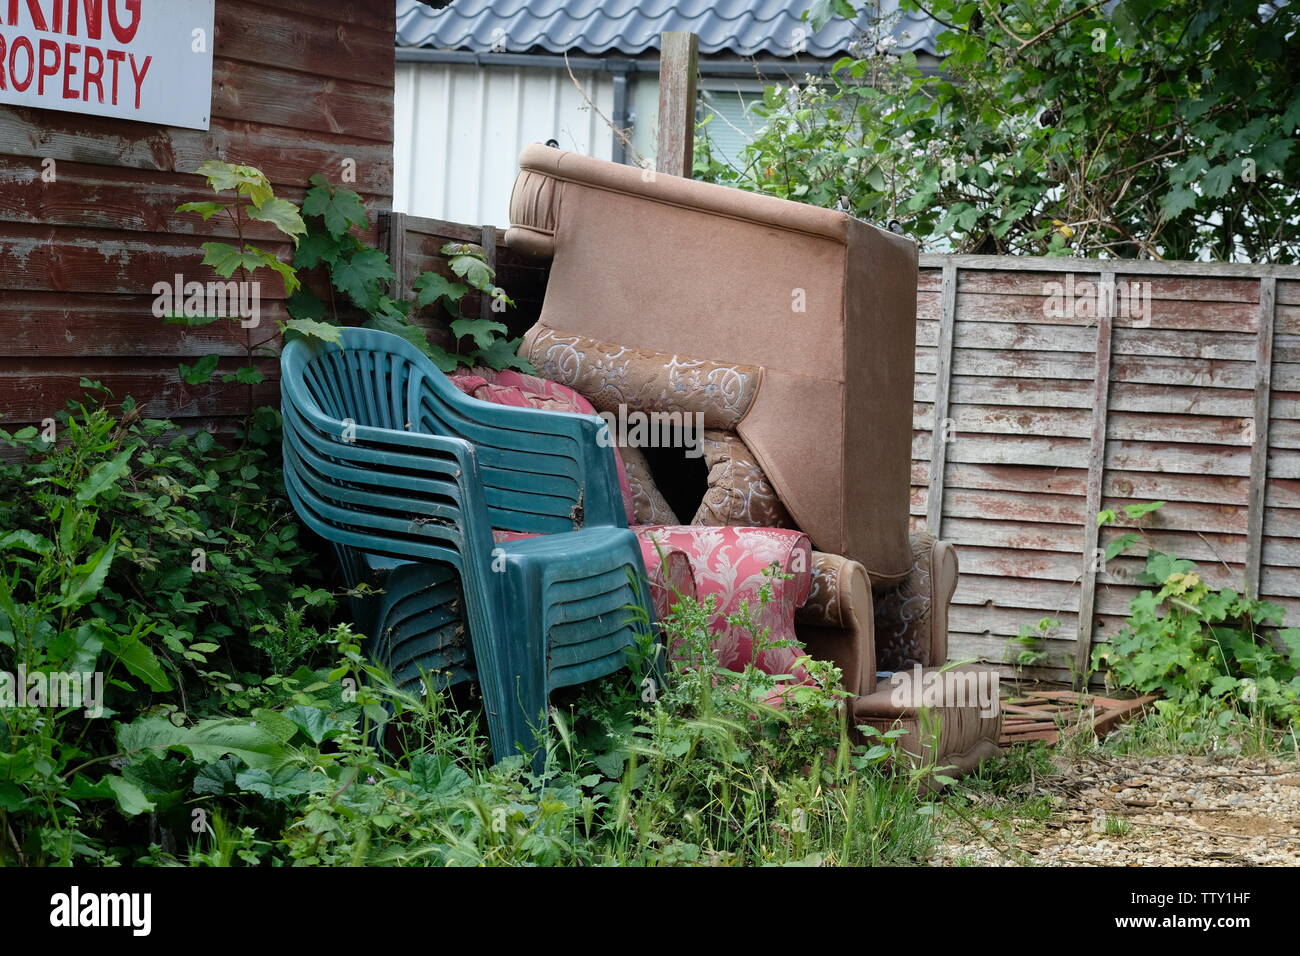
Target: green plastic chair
x=407 y=477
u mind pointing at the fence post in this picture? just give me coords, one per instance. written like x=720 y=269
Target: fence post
x=1096 y=480
x=489 y=244
x=392 y=239
x=1259 y=446
x=678 y=74
x=942 y=386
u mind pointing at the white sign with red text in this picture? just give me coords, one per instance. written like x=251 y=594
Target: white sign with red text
x=145 y=60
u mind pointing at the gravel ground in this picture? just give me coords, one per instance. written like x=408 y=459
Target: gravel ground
x=1144 y=811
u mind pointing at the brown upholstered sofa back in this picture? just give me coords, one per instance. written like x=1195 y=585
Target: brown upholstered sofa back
x=824 y=304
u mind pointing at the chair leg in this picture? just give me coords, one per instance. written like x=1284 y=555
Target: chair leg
x=515 y=696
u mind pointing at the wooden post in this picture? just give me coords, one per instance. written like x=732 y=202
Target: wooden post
x=392 y=239
x=942 y=386
x=678 y=74
x=489 y=244
x=1096 y=480
x=1259 y=446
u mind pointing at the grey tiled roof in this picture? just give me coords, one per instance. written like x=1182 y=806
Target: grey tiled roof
x=594 y=27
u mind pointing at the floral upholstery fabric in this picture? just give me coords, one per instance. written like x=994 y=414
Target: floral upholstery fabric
x=729 y=563
x=614 y=375
x=825 y=606
x=509 y=387
x=739 y=493
x=903 y=614
x=648 y=503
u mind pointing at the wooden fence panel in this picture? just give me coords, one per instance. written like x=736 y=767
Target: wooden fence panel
x=1049 y=389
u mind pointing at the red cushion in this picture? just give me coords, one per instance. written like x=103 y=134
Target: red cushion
x=729 y=563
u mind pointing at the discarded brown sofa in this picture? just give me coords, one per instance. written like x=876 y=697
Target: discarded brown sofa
x=789 y=330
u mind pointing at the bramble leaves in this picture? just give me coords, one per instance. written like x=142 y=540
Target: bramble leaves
x=340 y=209
x=361 y=276
x=483 y=331
x=431 y=287
x=314 y=329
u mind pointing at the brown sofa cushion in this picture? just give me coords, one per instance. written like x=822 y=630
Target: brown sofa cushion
x=739 y=493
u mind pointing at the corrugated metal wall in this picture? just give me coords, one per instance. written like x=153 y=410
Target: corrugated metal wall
x=459 y=131
x=1054 y=413
x=79 y=256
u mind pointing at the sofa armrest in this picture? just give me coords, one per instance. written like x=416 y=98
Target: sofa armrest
x=836 y=622
x=912 y=616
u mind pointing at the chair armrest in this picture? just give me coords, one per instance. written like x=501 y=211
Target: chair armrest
x=403 y=494
x=912 y=616
x=836 y=623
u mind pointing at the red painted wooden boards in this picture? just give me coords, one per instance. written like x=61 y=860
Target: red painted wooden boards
x=1044 y=715
x=300 y=87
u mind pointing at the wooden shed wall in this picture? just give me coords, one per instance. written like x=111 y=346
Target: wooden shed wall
x=299 y=86
x=1052 y=418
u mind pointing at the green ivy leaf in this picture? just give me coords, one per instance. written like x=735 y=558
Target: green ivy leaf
x=316 y=248
x=248 y=375
x=501 y=354
x=1120 y=545
x=473 y=270
x=200 y=372
x=1176 y=201
x=304 y=304
x=286 y=271
x=412 y=333
x=247 y=181
x=225 y=259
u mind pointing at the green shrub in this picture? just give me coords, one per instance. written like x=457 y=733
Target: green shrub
x=149 y=557
x=1195 y=644
x=242 y=727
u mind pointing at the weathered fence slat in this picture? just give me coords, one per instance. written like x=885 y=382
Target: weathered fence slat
x=489 y=244
x=1096 y=480
x=938 y=432
x=1259 y=447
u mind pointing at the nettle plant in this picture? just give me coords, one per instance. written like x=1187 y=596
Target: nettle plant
x=247 y=197
x=1199 y=645
x=360 y=276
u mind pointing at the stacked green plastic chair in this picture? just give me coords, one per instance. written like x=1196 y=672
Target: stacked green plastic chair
x=407 y=477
